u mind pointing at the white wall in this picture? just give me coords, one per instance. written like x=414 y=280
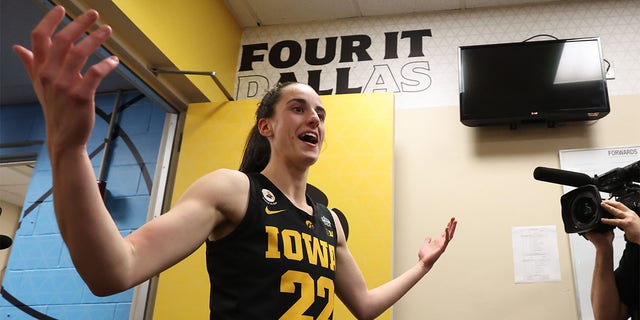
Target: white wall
x=483 y=176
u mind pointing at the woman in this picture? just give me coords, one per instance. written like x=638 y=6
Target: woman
x=249 y=219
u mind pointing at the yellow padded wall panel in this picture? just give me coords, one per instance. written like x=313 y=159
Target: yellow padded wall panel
x=196 y=35
x=354 y=171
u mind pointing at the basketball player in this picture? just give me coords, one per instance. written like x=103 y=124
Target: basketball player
x=253 y=220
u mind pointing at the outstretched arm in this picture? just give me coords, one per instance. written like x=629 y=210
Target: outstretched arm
x=106 y=261
x=67 y=100
x=368 y=304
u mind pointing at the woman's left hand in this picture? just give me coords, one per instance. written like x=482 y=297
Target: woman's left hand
x=433 y=248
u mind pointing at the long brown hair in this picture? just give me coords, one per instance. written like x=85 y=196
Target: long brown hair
x=257 y=150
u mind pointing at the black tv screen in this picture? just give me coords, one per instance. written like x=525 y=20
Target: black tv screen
x=550 y=81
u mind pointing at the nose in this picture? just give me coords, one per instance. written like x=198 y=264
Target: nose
x=314 y=119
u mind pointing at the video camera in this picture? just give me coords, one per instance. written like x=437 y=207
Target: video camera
x=581 y=210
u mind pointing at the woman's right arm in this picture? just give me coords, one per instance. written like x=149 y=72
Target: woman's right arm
x=216 y=198
x=109 y=263
x=106 y=261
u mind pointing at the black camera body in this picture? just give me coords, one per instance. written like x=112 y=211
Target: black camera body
x=581 y=209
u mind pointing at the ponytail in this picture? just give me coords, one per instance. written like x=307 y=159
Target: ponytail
x=257 y=150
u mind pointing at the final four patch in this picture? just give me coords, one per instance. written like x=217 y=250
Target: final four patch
x=326 y=221
x=268 y=197
x=327 y=224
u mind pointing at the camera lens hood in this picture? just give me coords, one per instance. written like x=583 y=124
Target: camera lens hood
x=581 y=210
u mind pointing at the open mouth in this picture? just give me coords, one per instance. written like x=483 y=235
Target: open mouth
x=309 y=137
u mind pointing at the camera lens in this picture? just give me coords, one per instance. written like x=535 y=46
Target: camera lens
x=581 y=210
x=584 y=210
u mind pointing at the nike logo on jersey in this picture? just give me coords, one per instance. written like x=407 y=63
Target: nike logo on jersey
x=269 y=211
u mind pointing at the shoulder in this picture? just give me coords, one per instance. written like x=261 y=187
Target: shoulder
x=222 y=184
x=220 y=180
x=223 y=190
x=226 y=178
x=340 y=228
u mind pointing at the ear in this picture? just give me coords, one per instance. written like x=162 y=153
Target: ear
x=264 y=127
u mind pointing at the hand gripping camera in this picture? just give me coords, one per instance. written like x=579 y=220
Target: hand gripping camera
x=581 y=210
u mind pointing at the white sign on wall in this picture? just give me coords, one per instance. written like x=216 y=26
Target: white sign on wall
x=342 y=63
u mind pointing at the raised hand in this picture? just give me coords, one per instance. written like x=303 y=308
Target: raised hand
x=433 y=248
x=54 y=64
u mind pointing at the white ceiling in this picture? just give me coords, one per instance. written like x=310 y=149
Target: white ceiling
x=252 y=13
x=18 y=17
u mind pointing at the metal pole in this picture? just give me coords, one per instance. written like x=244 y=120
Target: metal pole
x=212 y=74
x=107 y=144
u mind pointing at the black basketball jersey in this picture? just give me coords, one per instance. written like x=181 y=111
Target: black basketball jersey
x=279 y=263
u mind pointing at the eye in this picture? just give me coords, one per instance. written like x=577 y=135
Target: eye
x=322 y=114
x=297 y=109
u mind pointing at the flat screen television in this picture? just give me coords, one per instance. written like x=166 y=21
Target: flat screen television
x=536 y=81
